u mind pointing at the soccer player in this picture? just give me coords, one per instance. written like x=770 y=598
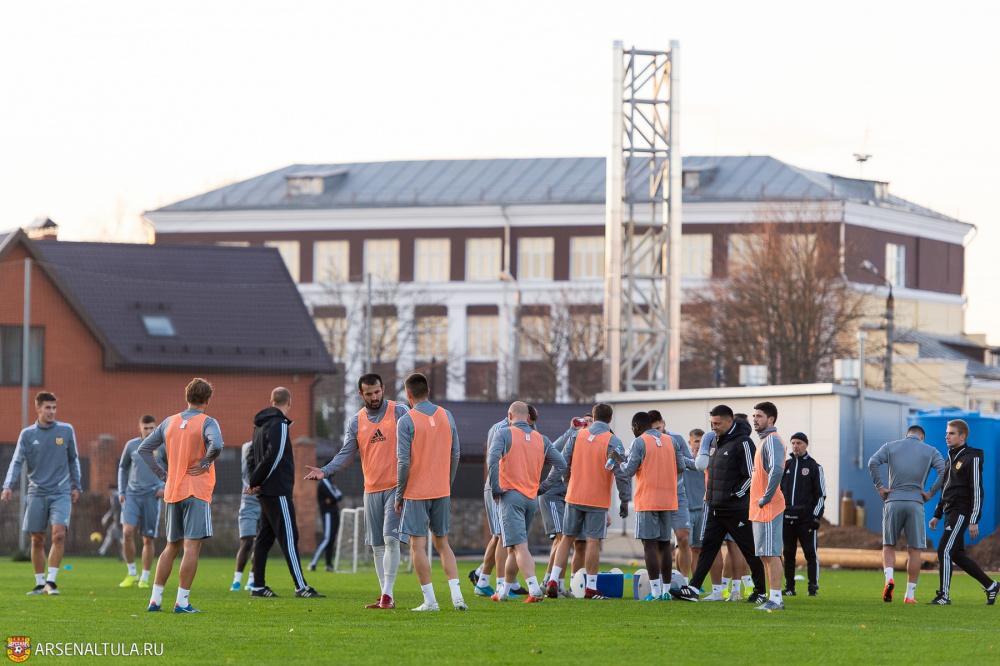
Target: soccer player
x=193 y=441
x=767 y=503
x=656 y=462
x=48 y=450
x=592 y=465
x=516 y=457
x=728 y=489
x=961 y=507
x=705 y=447
x=371 y=434
x=426 y=437
x=327 y=497
x=804 y=487
x=140 y=493
x=694 y=485
x=910 y=461
x=273 y=481
x=248 y=520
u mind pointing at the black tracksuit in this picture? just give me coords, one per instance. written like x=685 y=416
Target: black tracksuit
x=728 y=497
x=961 y=505
x=804 y=488
x=274 y=473
x=327 y=495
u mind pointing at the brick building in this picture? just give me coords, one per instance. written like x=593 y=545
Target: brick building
x=117 y=331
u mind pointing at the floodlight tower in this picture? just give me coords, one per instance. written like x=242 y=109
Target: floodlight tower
x=642 y=289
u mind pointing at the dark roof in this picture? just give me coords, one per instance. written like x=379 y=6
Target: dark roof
x=558 y=180
x=951 y=348
x=231 y=308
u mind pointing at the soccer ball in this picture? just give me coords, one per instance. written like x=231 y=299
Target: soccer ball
x=640 y=584
x=578 y=584
x=95 y=537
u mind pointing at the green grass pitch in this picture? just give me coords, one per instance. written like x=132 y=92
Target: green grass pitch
x=848 y=623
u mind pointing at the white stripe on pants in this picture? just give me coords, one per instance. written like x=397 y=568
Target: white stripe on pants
x=326 y=539
x=293 y=554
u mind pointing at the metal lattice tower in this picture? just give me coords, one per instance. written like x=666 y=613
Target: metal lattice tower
x=642 y=294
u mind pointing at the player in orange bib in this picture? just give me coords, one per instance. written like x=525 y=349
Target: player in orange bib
x=193 y=441
x=371 y=433
x=767 y=503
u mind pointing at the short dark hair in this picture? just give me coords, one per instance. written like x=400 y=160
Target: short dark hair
x=44 y=396
x=370 y=379
x=417 y=385
x=532 y=413
x=147 y=418
x=642 y=421
x=722 y=410
x=768 y=408
x=655 y=415
x=198 y=391
x=740 y=416
x=697 y=432
x=916 y=428
x=602 y=411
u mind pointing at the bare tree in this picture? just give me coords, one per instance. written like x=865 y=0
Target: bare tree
x=785 y=304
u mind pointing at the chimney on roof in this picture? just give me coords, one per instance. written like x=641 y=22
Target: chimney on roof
x=312 y=182
x=42 y=228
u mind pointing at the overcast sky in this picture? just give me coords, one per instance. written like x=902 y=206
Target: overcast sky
x=111 y=108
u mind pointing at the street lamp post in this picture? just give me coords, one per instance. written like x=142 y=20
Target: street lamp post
x=890 y=323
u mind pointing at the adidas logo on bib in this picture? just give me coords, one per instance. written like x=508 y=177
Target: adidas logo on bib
x=377 y=436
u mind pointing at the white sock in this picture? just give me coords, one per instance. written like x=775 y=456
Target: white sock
x=591 y=581
x=562 y=585
x=250 y=580
x=775 y=596
x=131 y=569
x=545 y=578
x=379 y=554
x=747 y=582
x=737 y=587
x=145 y=576
x=717 y=589
x=429 y=597
x=684 y=580
x=484 y=580
x=888 y=574
x=911 y=590
x=157 y=596
x=726 y=582
x=52 y=574
x=40 y=579
x=556 y=574
x=515 y=585
x=533 y=588
x=390 y=565
x=656 y=587
x=237 y=576
x=479 y=570
x=183 y=597
x=456 y=590
x=501 y=588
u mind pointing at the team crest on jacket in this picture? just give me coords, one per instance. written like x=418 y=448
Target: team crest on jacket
x=18 y=648
x=805 y=471
x=59 y=441
x=958 y=465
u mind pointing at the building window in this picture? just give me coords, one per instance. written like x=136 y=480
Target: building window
x=586 y=336
x=534 y=258
x=743 y=248
x=385 y=334
x=432 y=337
x=895 y=264
x=159 y=326
x=536 y=337
x=483 y=334
x=586 y=257
x=331 y=261
x=382 y=259
x=289 y=251
x=432 y=260
x=482 y=259
x=333 y=330
x=11 y=343
x=696 y=255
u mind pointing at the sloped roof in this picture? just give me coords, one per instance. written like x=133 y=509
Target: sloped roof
x=944 y=347
x=231 y=308
x=558 y=180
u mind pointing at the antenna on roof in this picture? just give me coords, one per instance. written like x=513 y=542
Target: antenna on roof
x=861 y=158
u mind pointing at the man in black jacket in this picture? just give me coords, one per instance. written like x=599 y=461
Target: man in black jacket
x=273 y=479
x=961 y=506
x=804 y=488
x=728 y=498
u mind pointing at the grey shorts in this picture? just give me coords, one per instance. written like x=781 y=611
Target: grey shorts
x=767 y=537
x=249 y=516
x=697 y=528
x=381 y=519
x=904 y=516
x=585 y=522
x=143 y=511
x=653 y=525
x=492 y=511
x=40 y=511
x=191 y=518
x=680 y=519
x=420 y=515
x=516 y=512
x=552 y=508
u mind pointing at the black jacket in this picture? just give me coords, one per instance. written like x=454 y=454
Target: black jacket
x=327 y=495
x=729 y=470
x=804 y=488
x=963 y=484
x=274 y=470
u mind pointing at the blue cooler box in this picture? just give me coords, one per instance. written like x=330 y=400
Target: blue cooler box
x=611 y=584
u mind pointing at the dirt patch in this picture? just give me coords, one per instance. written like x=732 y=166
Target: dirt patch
x=847 y=536
x=987 y=552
